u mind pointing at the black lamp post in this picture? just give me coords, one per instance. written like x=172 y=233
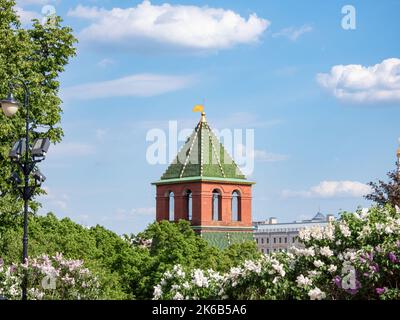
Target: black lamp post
x=26 y=157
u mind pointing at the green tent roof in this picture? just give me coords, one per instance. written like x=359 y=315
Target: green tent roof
x=203 y=155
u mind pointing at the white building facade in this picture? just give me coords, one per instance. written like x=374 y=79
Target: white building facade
x=272 y=236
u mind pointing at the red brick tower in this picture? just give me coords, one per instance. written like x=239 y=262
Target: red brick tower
x=204 y=186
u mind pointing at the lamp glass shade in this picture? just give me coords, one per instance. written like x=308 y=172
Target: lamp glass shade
x=10 y=106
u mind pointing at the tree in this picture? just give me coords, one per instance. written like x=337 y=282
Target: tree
x=387 y=192
x=37 y=55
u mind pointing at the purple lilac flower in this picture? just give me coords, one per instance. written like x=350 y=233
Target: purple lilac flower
x=380 y=290
x=337 y=281
x=354 y=290
x=371 y=256
x=375 y=268
x=392 y=257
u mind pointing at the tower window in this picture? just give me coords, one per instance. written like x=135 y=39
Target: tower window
x=235 y=204
x=189 y=204
x=171 y=201
x=216 y=206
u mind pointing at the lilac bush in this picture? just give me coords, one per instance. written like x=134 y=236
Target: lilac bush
x=49 y=278
x=356 y=257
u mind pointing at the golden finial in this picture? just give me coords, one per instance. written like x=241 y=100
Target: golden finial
x=203 y=117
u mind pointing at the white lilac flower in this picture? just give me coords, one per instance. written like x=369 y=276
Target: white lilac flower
x=199 y=279
x=290 y=255
x=318 y=263
x=313 y=273
x=279 y=268
x=326 y=251
x=157 y=292
x=344 y=229
x=316 y=233
x=175 y=287
x=235 y=272
x=178 y=296
x=329 y=232
x=316 y=294
x=186 y=285
x=350 y=255
x=332 y=268
x=252 y=266
x=379 y=226
x=388 y=230
x=303 y=281
x=178 y=270
x=364 y=213
x=305 y=234
x=366 y=230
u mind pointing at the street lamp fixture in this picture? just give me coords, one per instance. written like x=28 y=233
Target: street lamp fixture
x=10 y=105
x=40 y=147
x=39 y=177
x=15 y=178
x=17 y=150
x=26 y=157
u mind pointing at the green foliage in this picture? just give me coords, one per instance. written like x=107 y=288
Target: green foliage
x=125 y=267
x=176 y=243
x=37 y=56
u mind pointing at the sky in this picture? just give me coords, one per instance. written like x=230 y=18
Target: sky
x=317 y=81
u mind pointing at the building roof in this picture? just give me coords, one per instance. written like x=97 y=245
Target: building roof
x=319 y=216
x=202 y=157
x=287 y=227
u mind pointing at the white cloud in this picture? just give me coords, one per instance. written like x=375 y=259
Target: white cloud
x=184 y=26
x=293 y=33
x=54 y=200
x=126 y=215
x=144 y=211
x=71 y=149
x=331 y=189
x=354 y=82
x=26 y=16
x=101 y=133
x=287 y=71
x=34 y=2
x=264 y=156
x=105 y=62
x=260 y=155
x=139 y=85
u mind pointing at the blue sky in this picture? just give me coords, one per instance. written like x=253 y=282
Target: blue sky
x=320 y=133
